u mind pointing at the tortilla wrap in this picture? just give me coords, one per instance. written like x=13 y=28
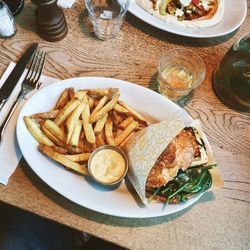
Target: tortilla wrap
x=144 y=148
x=213 y=18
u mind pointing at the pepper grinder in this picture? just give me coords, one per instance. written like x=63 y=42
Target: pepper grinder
x=51 y=22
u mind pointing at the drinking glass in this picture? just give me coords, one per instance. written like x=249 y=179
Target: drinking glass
x=179 y=71
x=106 y=16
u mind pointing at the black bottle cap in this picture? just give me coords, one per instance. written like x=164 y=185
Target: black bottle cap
x=15 y=6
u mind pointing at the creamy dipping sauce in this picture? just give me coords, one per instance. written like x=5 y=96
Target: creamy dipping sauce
x=108 y=166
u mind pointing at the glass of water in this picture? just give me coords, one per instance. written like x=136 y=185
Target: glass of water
x=106 y=16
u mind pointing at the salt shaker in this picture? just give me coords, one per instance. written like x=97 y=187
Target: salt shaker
x=7 y=24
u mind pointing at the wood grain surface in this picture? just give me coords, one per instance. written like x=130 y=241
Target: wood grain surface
x=219 y=220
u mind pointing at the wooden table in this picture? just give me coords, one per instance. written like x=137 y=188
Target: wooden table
x=219 y=220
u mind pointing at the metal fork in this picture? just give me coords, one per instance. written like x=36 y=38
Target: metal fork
x=31 y=82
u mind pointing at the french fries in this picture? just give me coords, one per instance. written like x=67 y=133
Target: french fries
x=109 y=132
x=80 y=122
x=63 y=160
x=72 y=120
x=51 y=136
x=46 y=115
x=67 y=109
x=126 y=122
x=74 y=140
x=100 y=104
x=100 y=124
x=120 y=109
x=80 y=94
x=88 y=129
x=55 y=130
x=103 y=92
x=78 y=157
x=134 y=113
x=60 y=149
x=71 y=93
x=36 y=132
x=100 y=139
x=91 y=102
x=63 y=99
x=126 y=140
x=121 y=137
x=102 y=112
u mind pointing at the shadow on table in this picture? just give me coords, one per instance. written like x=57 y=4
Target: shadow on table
x=26 y=18
x=86 y=26
x=98 y=217
x=175 y=39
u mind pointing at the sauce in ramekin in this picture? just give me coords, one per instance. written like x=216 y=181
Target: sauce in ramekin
x=108 y=165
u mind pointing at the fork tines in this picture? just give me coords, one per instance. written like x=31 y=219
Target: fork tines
x=36 y=68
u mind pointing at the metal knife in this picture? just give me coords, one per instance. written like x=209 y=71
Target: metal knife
x=15 y=75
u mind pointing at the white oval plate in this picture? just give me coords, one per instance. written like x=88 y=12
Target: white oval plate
x=234 y=15
x=120 y=200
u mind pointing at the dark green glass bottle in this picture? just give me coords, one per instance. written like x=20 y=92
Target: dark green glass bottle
x=231 y=80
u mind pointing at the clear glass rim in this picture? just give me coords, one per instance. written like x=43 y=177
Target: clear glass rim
x=122 y=14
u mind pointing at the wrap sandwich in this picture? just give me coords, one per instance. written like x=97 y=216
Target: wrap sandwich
x=187 y=13
x=171 y=162
x=179 y=171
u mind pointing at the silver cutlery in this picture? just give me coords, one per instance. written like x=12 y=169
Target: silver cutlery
x=31 y=82
x=13 y=78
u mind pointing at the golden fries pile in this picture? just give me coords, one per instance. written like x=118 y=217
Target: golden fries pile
x=80 y=122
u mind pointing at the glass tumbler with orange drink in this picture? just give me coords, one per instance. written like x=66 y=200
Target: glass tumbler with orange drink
x=179 y=71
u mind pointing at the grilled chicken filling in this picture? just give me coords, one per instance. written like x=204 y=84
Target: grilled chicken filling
x=179 y=154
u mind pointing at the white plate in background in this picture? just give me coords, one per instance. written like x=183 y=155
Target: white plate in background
x=234 y=15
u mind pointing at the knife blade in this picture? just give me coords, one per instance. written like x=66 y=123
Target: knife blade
x=15 y=75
